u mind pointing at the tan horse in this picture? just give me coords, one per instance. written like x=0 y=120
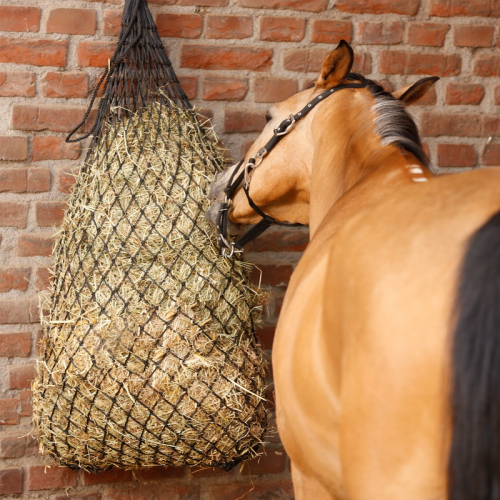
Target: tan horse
x=374 y=399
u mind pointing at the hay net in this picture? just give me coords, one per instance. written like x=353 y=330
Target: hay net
x=149 y=354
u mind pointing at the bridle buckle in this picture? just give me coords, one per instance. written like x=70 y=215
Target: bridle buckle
x=288 y=129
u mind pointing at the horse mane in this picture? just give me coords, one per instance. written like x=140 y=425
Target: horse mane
x=393 y=124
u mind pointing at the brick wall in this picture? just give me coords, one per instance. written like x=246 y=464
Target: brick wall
x=235 y=57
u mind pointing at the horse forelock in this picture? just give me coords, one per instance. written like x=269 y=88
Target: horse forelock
x=393 y=124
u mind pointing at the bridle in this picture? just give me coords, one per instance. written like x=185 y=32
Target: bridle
x=243 y=179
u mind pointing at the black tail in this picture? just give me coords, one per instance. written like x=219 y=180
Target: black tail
x=474 y=465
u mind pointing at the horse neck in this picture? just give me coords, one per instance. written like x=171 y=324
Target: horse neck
x=347 y=175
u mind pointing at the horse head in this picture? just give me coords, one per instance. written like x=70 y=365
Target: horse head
x=281 y=183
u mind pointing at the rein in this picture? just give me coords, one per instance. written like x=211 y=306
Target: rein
x=243 y=179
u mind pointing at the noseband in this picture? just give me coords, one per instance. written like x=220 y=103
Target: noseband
x=243 y=179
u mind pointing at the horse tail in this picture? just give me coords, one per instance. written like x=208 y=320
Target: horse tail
x=474 y=462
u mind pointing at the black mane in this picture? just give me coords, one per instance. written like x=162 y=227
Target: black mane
x=393 y=124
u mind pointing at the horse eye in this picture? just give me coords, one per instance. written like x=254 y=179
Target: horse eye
x=268 y=117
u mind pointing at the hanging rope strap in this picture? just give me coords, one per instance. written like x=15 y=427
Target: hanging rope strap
x=108 y=73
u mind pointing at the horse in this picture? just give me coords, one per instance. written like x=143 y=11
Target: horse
x=386 y=354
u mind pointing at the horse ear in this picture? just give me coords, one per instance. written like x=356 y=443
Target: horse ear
x=412 y=93
x=336 y=66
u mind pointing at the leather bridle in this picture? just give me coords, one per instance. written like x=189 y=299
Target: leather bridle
x=243 y=179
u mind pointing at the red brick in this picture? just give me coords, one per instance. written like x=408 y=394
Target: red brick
x=17 y=83
x=31 y=51
x=31 y=245
x=381 y=33
x=66 y=178
x=54 y=148
x=248 y=491
x=13 y=446
x=49 y=213
x=55 y=84
x=464 y=93
x=21 y=376
x=456 y=155
x=282 y=29
x=280 y=240
x=434 y=123
x=473 y=36
x=190 y=85
x=15 y=311
x=487 y=65
x=13 y=148
x=306 y=5
x=38 y=180
x=408 y=7
x=16 y=18
x=50 y=478
x=224 y=89
x=272 y=274
x=13 y=214
x=8 y=412
x=158 y=473
x=274 y=89
x=497 y=96
x=242 y=121
x=235 y=27
x=179 y=25
x=31 y=445
x=325 y=31
x=362 y=63
x=405 y=63
x=14 y=345
x=13 y=179
x=13 y=278
x=94 y=54
x=25 y=398
x=226 y=57
x=429 y=34
x=71 y=21
x=11 y=481
x=109 y=476
x=491 y=155
x=304 y=60
x=266 y=336
x=43 y=277
x=55 y=118
x=272 y=462
x=451 y=8
x=112 y=22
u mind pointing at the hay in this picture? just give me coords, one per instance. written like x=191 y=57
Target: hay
x=149 y=356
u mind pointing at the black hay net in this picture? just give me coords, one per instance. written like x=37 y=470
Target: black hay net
x=149 y=355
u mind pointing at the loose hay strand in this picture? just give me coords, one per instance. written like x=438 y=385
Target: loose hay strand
x=149 y=355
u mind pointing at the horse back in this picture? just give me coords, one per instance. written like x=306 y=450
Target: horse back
x=368 y=320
